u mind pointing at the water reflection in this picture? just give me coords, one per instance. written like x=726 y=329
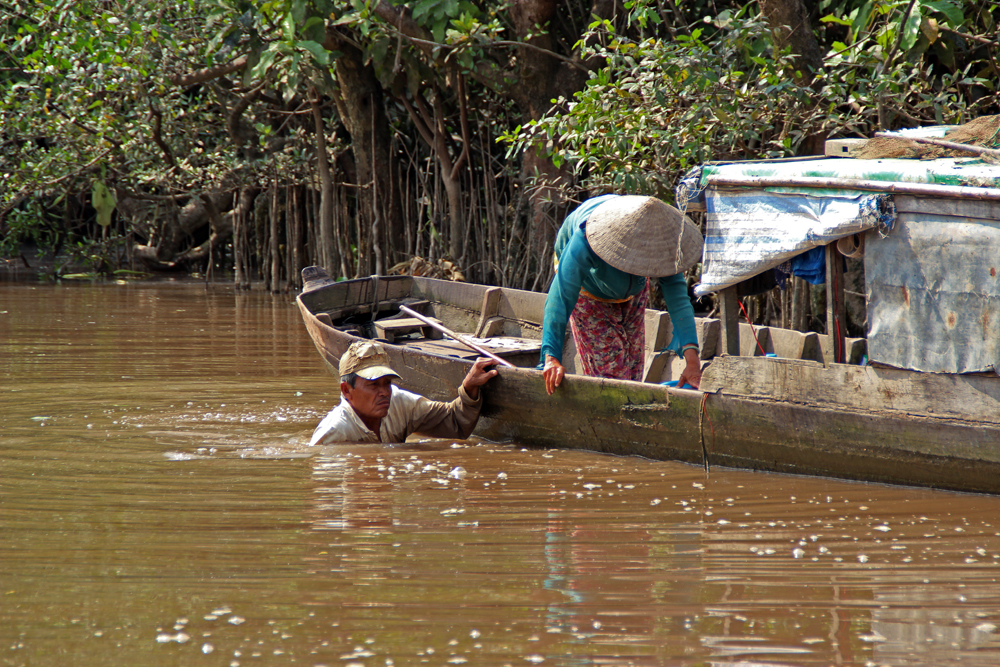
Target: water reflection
x=160 y=506
x=607 y=554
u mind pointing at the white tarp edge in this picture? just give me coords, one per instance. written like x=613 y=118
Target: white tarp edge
x=749 y=231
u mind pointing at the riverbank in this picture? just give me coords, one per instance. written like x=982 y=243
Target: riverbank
x=32 y=265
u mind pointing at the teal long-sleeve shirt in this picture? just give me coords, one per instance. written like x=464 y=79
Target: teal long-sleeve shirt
x=580 y=267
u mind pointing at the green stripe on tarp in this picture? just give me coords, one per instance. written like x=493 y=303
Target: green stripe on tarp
x=971 y=172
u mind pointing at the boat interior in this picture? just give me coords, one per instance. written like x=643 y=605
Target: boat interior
x=484 y=316
x=507 y=323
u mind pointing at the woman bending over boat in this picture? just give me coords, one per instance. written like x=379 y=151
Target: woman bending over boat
x=605 y=253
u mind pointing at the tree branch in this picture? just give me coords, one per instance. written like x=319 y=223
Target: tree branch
x=146 y=197
x=209 y=73
x=158 y=137
x=974 y=38
x=417 y=116
x=23 y=194
x=464 y=113
x=899 y=36
x=233 y=118
x=89 y=130
x=552 y=54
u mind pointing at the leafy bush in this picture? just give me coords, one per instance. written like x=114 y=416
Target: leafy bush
x=721 y=92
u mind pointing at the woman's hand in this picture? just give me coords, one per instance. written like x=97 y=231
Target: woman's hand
x=692 y=371
x=553 y=372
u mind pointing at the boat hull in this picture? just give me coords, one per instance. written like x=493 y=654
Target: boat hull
x=715 y=428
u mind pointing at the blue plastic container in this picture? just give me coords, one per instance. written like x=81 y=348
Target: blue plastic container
x=673 y=383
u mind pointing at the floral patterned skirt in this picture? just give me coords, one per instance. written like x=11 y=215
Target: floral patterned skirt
x=610 y=337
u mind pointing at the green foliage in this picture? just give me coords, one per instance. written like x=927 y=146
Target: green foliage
x=460 y=32
x=913 y=68
x=86 y=91
x=91 y=108
x=26 y=224
x=89 y=103
x=722 y=92
x=104 y=203
x=879 y=24
x=660 y=106
x=284 y=41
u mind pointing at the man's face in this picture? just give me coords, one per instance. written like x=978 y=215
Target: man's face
x=369 y=398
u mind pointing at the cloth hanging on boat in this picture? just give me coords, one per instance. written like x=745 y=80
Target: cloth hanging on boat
x=810 y=266
x=761 y=283
x=749 y=231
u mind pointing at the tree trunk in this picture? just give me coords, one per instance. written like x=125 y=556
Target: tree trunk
x=790 y=27
x=543 y=78
x=361 y=103
x=242 y=213
x=539 y=77
x=430 y=124
x=168 y=237
x=327 y=243
x=274 y=236
x=545 y=184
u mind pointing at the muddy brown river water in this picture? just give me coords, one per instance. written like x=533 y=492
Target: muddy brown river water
x=159 y=505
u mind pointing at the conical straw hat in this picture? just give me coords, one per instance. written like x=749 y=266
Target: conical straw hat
x=643 y=236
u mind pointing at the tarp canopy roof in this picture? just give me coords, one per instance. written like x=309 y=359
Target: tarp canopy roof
x=749 y=230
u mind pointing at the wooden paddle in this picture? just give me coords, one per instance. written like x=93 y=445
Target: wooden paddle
x=459 y=337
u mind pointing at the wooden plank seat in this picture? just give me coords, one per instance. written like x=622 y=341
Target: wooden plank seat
x=509 y=346
x=442 y=346
x=520 y=351
x=390 y=328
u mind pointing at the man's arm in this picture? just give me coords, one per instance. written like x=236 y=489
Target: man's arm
x=457 y=418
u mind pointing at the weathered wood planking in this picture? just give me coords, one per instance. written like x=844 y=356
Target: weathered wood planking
x=596 y=414
x=452 y=302
x=956 y=208
x=614 y=417
x=876 y=447
x=936 y=395
x=523 y=313
x=357 y=295
x=781 y=342
x=489 y=319
x=836 y=307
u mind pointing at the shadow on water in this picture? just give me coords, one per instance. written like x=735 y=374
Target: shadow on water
x=159 y=505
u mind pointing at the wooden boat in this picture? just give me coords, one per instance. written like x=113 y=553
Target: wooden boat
x=797 y=412
x=916 y=402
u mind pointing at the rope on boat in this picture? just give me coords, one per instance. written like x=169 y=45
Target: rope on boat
x=745 y=315
x=702 y=415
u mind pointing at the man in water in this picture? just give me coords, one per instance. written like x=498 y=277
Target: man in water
x=373 y=409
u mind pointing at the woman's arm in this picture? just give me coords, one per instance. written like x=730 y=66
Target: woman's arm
x=675 y=294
